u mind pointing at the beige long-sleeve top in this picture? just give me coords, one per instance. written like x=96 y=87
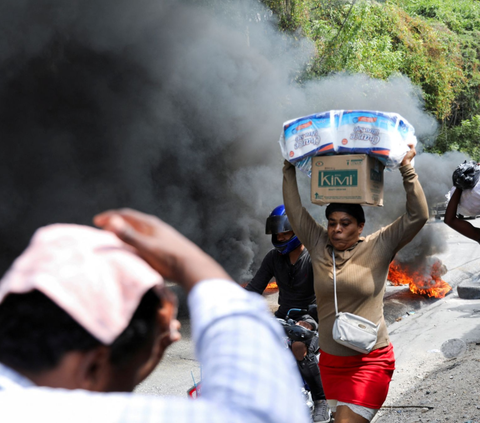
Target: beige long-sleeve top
x=363 y=268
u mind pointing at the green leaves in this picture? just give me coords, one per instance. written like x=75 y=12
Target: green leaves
x=464 y=137
x=436 y=43
x=381 y=40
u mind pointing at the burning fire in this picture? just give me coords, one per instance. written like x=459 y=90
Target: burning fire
x=425 y=281
x=272 y=285
x=271 y=288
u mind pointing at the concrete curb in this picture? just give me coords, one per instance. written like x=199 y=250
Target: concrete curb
x=466 y=280
x=469 y=290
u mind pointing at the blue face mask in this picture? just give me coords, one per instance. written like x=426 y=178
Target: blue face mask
x=286 y=246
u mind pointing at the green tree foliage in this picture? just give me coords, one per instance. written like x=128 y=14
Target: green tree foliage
x=464 y=137
x=286 y=10
x=463 y=19
x=381 y=39
x=436 y=43
x=352 y=37
x=461 y=130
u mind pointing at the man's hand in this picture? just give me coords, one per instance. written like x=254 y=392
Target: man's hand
x=409 y=156
x=174 y=256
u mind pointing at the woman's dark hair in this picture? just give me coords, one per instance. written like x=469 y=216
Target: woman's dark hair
x=354 y=210
x=35 y=333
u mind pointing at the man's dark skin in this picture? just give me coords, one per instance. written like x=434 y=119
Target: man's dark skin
x=460 y=225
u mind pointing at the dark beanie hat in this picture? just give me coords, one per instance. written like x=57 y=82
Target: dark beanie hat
x=354 y=210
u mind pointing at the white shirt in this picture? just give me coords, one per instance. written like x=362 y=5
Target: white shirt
x=248 y=374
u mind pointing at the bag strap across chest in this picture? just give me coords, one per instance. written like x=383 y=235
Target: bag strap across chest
x=334 y=281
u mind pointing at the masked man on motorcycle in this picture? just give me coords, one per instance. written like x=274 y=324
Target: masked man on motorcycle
x=289 y=263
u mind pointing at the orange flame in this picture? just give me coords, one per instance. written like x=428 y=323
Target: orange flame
x=427 y=282
x=272 y=285
x=271 y=288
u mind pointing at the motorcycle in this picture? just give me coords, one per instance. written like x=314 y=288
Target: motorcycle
x=295 y=332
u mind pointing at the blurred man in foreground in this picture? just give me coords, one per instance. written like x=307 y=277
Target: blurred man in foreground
x=83 y=320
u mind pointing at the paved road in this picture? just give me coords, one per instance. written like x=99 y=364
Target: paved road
x=462 y=259
x=174 y=375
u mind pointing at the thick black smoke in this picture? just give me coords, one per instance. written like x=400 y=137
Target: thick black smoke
x=170 y=107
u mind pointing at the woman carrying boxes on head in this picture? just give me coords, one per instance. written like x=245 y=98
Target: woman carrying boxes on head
x=356 y=384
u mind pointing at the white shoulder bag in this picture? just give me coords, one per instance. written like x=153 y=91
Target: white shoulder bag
x=353 y=331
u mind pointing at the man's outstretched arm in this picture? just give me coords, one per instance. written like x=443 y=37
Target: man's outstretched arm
x=461 y=226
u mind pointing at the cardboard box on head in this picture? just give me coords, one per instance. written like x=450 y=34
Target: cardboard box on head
x=350 y=178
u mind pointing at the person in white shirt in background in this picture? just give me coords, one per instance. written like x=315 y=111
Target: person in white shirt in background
x=83 y=320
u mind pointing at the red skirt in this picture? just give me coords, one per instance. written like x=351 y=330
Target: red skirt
x=361 y=379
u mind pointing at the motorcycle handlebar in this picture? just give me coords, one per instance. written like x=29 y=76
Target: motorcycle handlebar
x=294 y=331
x=311 y=310
x=299 y=310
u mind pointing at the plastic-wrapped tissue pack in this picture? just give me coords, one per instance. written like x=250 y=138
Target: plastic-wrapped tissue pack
x=379 y=134
x=308 y=136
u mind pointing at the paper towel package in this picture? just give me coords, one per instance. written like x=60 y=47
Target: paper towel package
x=311 y=135
x=382 y=135
x=347 y=178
